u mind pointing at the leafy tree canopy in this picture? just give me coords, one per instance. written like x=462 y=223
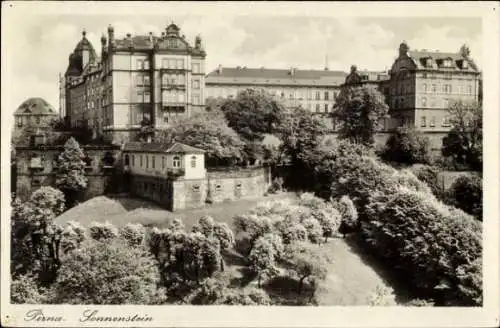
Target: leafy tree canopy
x=360 y=111
x=210 y=132
x=464 y=142
x=253 y=113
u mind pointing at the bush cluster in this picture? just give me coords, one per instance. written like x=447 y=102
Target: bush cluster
x=466 y=193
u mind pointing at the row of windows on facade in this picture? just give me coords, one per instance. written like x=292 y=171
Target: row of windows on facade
x=407 y=103
x=299 y=95
x=403 y=88
x=167 y=80
x=432 y=121
x=143 y=64
x=429 y=62
x=176 y=163
x=445 y=88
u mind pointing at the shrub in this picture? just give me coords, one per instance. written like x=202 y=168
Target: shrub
x=134 y=234
x=245 y=296
x=466 y=193
x=102 y=231
x=108 y=273
x=429 y=175
x=349 y=215
x=382 y=296
x=25 y=290
x=408 y=146
x=314 y=230
x=48 y=198
x=276 y=185
x=436 y=247
x=72 y=236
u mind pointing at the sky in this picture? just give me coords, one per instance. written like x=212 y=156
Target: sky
x=37 y=50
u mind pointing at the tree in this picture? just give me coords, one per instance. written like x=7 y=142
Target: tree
x=48 y=198
x=264 y=257
x=254 y=226
x=466 y=193
x=108 y=273
x=208 y=131
x=70 y=176
x=360 y=111
x=253 y=113
x=103 y=231
x=301 y=133
x=146 y=131
x=218 y=231
x=464 y=142
x=305 y=261
x=407 y=146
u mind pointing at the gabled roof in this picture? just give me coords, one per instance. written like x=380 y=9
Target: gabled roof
x=157 y=147
x=266 y=76
x=35 y=106
x=418 y=57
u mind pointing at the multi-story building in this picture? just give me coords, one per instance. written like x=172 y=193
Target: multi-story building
x=422 y=84
x=154 y=79
x=314 y=90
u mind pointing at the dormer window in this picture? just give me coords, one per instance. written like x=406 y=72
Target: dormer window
x=428 y=62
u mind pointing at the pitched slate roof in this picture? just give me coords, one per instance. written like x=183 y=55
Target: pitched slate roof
x=35 y=106
x=265 y=76
x=157 y=147
x=419 y=57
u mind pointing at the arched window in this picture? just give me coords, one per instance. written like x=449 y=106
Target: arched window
x=193 y=161
x=108 y=159
x=177 y=161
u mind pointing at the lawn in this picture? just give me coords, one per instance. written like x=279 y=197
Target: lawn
x=352 y=275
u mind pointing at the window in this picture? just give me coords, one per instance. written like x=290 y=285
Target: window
x=147 y=161
x=326 y=95
x=196 y=188
x=177 y=161
x=326 y=108
x=434 y=89
x=445 y=88
x=428 y=62
x=196 y=68
x=218 y=187
x=445 y=103
x=146 y=80
x=196 y=100
x=180 y=63
x=146 y=97
x=140 y=64
x=163 y=162
x=141 y=161
x=423 y=121
x=193 y=161
x=164 y=63
x=317 y=108
x=133 y=160
x=433 y=121
x=127 y=160
x=446 y=121
x=424 y=101
x=153 y=161
x=146 y=64
x=19 y=121
x=469 y=89
x=318 y=95
x=196 y=84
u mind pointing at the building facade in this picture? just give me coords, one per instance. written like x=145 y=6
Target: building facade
x=175 y=176
x=423 y=83
x=138 y=79
x=33 y=114
x=314 y=90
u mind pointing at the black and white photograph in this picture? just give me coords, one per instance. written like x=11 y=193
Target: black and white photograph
x=311 y=160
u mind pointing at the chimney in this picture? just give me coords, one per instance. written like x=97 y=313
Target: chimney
x=151 y=40
x=292 y=71
x=219 y=69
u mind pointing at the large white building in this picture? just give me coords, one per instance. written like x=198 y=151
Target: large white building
x=141 y=78
x=314 y=90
